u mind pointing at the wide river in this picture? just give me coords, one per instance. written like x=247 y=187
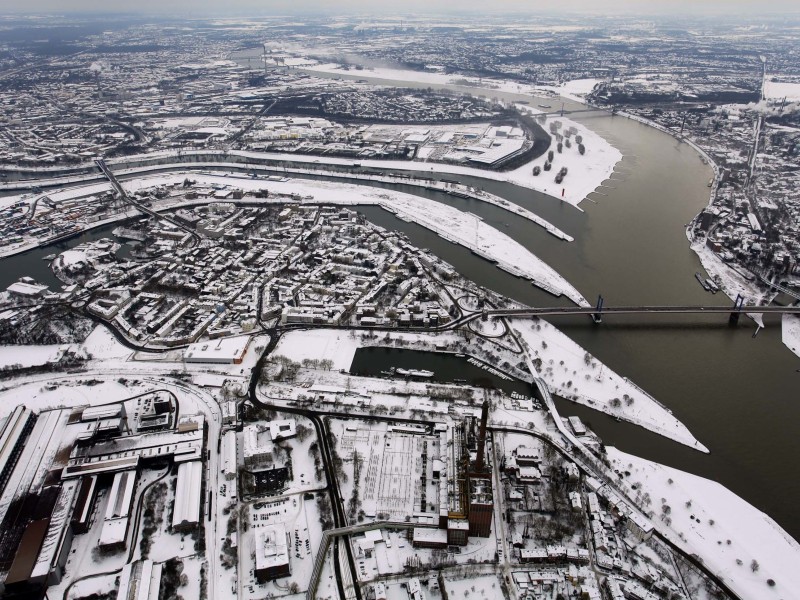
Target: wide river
x=737 y=394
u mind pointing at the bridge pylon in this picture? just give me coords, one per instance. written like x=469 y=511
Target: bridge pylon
x=737 y=310
x=597 y=316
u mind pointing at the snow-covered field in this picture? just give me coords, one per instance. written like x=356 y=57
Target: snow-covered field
x=724 y=530
x=30 y=356
x=791 y=333
x=571 y=372
x=408 y=75
x=776 y=90
x=338 y=346
x=576 y=89
x=101 y=344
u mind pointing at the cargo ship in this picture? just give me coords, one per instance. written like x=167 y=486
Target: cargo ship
x=414 y=373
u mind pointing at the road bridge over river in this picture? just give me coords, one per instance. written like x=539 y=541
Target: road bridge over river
x=597 y=312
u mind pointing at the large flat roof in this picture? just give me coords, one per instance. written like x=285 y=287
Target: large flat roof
x=272 y=549
x=28 y=551
x=187 y=493
x=222 y=350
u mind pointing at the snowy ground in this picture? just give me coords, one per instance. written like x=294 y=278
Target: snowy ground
x=575 y=90
x=776 y=90
x=409 y=75
x=791 y=333
x=30 y=356
x=486 y=586
x=335 y=345
x=571 y=372
x=724 y=530
x=101 y=344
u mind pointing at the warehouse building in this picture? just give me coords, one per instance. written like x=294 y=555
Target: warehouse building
x=272 y=553
x=186 y=514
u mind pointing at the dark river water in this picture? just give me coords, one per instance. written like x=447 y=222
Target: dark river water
x=739 y=395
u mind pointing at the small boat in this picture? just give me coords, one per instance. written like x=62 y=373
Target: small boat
x=459 y=355
x=702 y=281
x=457 y=380
x=713 y=287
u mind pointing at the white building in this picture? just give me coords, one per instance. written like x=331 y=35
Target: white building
x=272 y=553
x=120 y=498
x=279 y=430
x=229 y=455
x=222 y=351
x=256 y=447
x=186 y=514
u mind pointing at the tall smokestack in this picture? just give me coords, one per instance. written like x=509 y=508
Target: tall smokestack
x=479 y=461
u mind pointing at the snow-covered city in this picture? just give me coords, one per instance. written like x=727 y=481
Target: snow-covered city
x=365 y=304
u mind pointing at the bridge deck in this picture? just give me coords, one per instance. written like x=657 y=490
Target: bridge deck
x=590 y=310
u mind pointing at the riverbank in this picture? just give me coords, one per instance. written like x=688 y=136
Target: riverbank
x=448 y=222
x=451 y=188
x=735 y=540
x=574 y=374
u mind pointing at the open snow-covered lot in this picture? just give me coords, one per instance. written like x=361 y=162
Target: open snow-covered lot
x=790 y=333
x=735 y=540
x=573 y=373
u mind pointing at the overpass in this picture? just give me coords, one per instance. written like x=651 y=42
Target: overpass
x=101 y=164
x=776 y=286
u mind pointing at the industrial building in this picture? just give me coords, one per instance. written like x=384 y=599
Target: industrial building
x=140 y=581
x=222 y=351
x=257 y=447
x=228 y=452
x=186 y=513
x=272 y=553
x=117 y=516
x=13 y=433
x=470 y=501
x=84 y=505
x=466 y=502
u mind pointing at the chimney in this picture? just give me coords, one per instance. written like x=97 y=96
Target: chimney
x=479 y=461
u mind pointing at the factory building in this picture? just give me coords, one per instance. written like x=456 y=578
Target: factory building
x=13 y=433
x=470 y=503
x=186 y=514
x=272 y=553
x=117 y=517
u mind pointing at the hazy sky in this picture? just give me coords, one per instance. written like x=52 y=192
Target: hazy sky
x=239 y=7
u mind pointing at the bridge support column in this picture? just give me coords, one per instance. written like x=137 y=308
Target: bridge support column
x=597 y=316
x=737 y=310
